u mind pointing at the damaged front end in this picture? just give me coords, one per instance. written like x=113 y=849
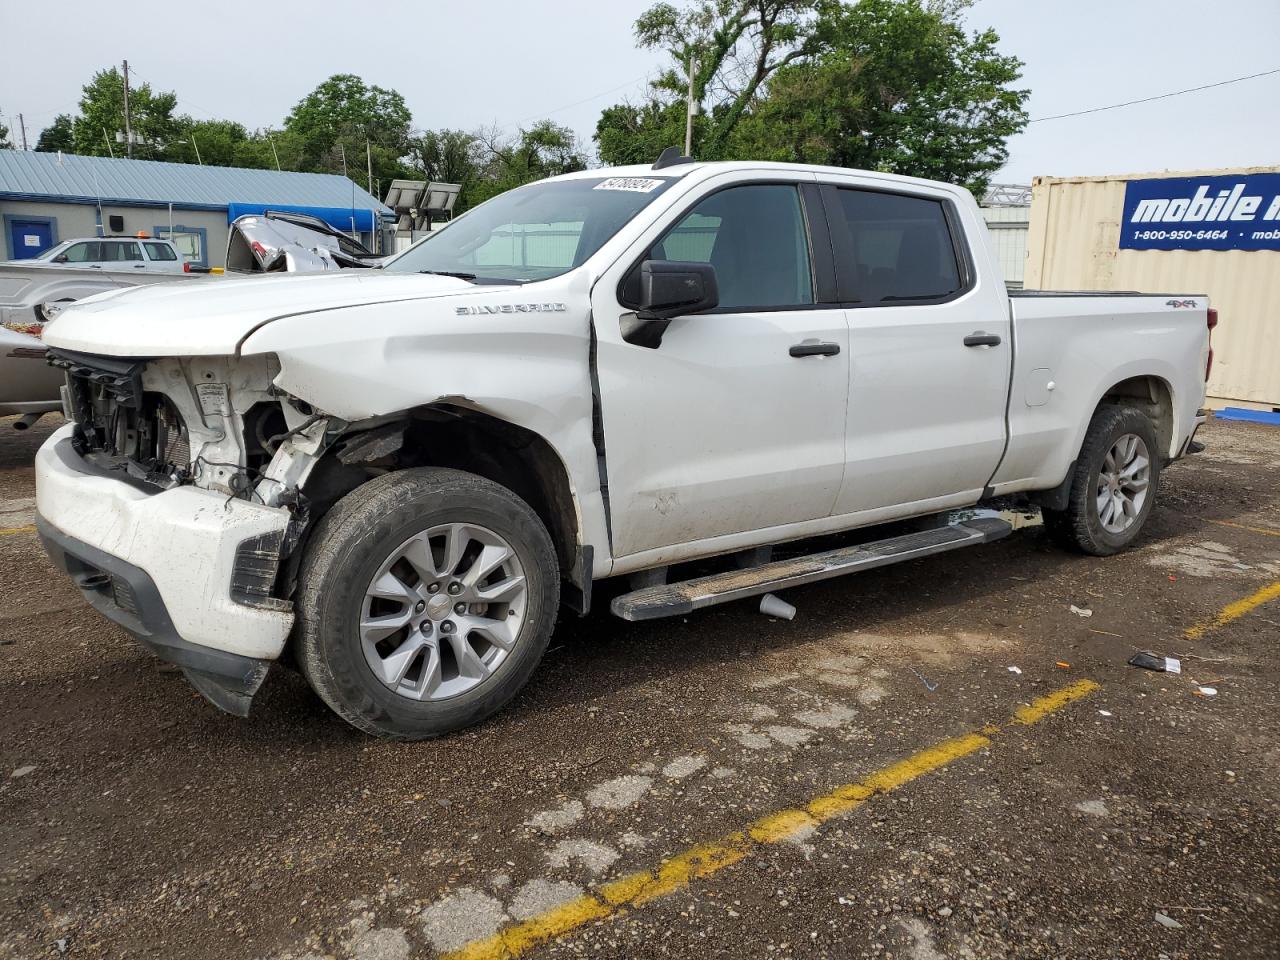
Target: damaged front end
x=175 y=501
x=219 y=424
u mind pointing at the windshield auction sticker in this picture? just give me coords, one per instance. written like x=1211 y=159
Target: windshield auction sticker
x=630 y=184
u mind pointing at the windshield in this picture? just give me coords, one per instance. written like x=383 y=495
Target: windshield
x=533 y=232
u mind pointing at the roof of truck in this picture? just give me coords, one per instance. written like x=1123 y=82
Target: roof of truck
x=712 y=167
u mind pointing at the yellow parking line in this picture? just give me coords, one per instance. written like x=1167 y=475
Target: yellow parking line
x=706 y=859
x=1265 y=531
x=1234 y=611
x=5 y=531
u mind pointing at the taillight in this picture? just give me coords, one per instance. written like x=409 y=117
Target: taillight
x=1211 y=318
x=186 y=266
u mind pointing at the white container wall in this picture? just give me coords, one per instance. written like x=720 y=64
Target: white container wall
x=1007 y=227
x=1074 y=244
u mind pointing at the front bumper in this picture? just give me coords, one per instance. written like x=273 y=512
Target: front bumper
x=160 y=564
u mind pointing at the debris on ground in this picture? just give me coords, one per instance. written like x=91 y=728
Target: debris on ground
x=1063 y=664
x=22 y=772
x=927 y=685
x=1015 y=670
x=1167 y=921
x=1081 y=611
x=1206 y=691
x=1149 y=661
x=773 y=606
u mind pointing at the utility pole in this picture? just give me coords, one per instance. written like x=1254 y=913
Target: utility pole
x=128 y=126
x=197 y=149
x=368 y=153
x=688 y=119
x=23 y=126
x=272 y=141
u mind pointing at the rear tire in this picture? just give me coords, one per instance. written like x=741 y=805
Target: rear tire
x=1113 y=486
x=400 y=629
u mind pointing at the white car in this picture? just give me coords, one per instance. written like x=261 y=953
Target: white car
x=401 y=475
x=116 y=253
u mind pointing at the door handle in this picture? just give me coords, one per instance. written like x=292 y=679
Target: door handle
x=814 y=348
x=981 y=339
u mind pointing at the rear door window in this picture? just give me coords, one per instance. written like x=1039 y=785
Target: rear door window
x=160 y=251
x=897 y=248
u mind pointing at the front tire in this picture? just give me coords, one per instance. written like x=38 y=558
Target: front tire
x=426 y=599
x=1113 y=486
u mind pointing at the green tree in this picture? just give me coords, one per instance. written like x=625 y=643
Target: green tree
x=444 y=156
x=735 y=46
x=57 y=135
x=211 y=142
x=543 y=150
x=894 y=85
x=342 y=115
x=447 y=156
x=4 y=137
x=102 y=118
x=900 y=87
x=637 y=133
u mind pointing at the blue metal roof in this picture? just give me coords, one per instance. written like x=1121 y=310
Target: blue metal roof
x=67 y=177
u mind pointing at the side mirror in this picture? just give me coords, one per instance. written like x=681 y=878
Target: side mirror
x=673 y=288
x=60 y=258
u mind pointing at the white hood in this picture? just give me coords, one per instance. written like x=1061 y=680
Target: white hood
x=212 y=317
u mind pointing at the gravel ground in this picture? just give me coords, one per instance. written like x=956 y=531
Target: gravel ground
x=1139 y=821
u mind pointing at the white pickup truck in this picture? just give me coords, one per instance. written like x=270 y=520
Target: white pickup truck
x=395 y=478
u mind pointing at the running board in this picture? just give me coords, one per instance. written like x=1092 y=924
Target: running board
x=673 y=599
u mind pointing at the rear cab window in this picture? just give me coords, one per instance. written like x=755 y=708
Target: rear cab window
x=894 y=248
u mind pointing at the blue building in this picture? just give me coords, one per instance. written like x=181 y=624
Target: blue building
x=46 y=198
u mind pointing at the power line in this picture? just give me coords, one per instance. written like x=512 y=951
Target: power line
x=1162 y=96
x=577 y=103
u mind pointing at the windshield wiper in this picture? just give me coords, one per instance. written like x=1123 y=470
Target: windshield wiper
x=472 y=278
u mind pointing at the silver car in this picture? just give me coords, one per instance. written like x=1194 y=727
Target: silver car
x=28 y=385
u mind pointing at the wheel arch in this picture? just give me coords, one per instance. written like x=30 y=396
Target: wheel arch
x=1151 y=394
x=445 y=434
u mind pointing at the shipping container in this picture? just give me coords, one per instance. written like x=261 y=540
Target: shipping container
x=1214 y=232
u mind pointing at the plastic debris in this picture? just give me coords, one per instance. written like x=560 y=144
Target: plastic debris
x=1105 y=713
x=1149 y=661
x=1015 y=669
x=1081 y=611
x=927 y=685
x=1206 y=691
x=1063 y=664
x=772 y=606
x=1167 y=921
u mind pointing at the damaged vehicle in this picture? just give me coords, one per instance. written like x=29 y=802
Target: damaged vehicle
x=282 y=241
x=397 y=478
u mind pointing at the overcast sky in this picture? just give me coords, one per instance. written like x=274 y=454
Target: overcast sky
x=512 y=61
